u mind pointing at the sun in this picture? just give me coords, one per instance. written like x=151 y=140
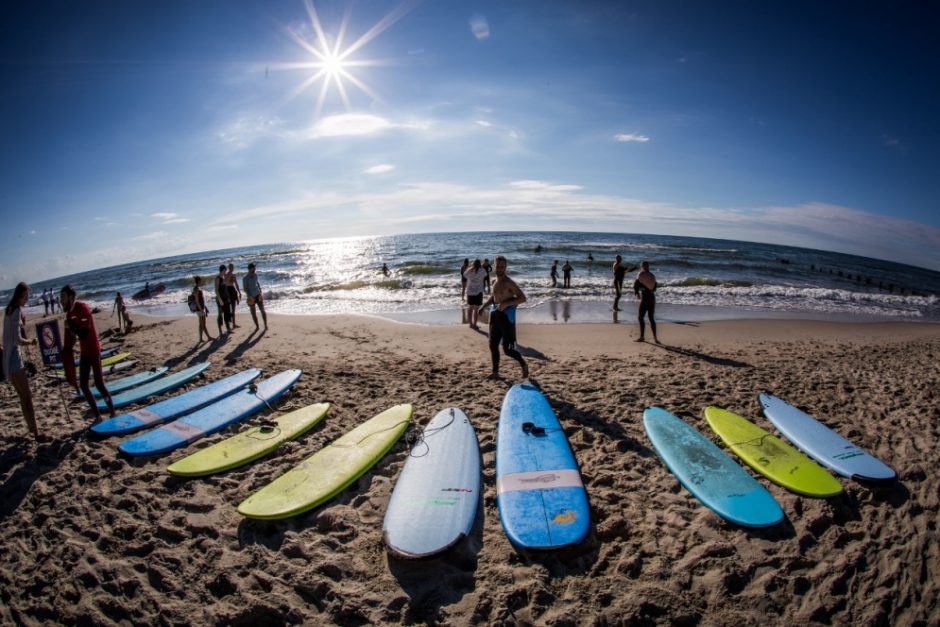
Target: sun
x=332 y=64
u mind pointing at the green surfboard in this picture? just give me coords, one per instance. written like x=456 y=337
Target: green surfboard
x=771 y=456
x=250 y=444
x=330 y=470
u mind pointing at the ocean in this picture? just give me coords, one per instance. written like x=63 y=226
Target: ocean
x=699 y=279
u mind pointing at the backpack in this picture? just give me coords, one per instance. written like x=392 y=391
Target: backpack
x=191 y=301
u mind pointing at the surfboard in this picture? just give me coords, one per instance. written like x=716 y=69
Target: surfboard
x=771 y=456
x=105 y=363
x=708 y=473
x=119 y=385
x=251 y=444
x=822 y=443
x=541 y=498
x=329 y=471
x=59 y=375
x=105 y=353
x=212 y=418
x=165 y=410
x=158 y=386
x=437 y=493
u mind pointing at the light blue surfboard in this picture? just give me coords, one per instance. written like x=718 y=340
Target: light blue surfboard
x=176 y=406
x=541 y=498
x=159 y=386
x=436 y=496
x=822 y=443
x=708 y=473
x=213 y=418
x=125 y=383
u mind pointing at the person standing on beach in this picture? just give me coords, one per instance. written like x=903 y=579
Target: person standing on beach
x=645 y=287
x=45 y=300
x=486 y=280
x=234 y=295
x=221 y=301
x=553 y=273
x=14 y=336
x=80 y=324
x=503 y=301
x=202 y=312
x=463 y=279
x=124 y=321
x=619 y=271
x=475 y=276
x=566 y=270
x=252 y=289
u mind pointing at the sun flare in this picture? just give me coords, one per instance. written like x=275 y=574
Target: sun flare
x=332 y=63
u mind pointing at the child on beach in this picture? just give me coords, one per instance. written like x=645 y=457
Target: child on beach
x=474 y=277
x=14 y=336
x=234 y=295
x=202 y=312
x=80 y=325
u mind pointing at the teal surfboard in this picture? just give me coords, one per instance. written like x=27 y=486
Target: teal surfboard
x=708 y=473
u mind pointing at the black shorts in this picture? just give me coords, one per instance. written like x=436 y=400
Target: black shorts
x=475 y=299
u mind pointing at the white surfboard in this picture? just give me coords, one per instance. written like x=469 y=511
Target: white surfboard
x=435 y=499
x=822 y=443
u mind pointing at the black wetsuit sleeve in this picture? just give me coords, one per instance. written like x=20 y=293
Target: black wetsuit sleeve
x=637 y=286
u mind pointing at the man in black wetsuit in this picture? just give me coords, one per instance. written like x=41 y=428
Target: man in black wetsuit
x=619 y=271
x=504 y=299
x=645 y=287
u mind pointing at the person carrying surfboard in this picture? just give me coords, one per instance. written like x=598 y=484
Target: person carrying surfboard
x=80 y=325
x=644 y=288
x=502 y=302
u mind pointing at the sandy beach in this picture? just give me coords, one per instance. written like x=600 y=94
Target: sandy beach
x=92 y=537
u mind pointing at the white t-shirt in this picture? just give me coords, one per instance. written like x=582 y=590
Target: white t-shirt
x=474 y=280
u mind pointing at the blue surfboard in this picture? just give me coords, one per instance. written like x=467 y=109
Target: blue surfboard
x=159 y=386
x=541 y=498
x=175 y=407
x=125 y=383
x=213 y=418
x=708 y=473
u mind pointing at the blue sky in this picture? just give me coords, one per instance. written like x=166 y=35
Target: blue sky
x=136 y=130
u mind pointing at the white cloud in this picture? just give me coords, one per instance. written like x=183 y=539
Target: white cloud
x=379 y=169
x=222 y=227
x=176 y=221
x=150 y=236
x=479 y=27
x=164 y=216
x=484 y=123
x=247 y=129
x=631 y=137
x=347 y=124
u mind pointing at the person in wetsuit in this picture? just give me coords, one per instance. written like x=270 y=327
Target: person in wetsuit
x=503 y=301
x=619 y=271
x=645 y=287
x=80 y=325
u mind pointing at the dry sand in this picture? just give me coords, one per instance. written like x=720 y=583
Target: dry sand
x=90 y=537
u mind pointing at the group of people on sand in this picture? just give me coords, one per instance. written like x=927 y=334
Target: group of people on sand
x=227 y=298
x=80 y=327
x=506 y=296
x=50 y=301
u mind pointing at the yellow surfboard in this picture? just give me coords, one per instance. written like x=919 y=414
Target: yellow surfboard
x=771 y=456
x=330 y=470
x=250 y=444
x=107 y=361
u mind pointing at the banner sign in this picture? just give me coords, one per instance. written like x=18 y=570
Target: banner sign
x=50 y=344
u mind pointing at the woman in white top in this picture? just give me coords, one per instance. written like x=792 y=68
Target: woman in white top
x=13 y=338
x=475 y=276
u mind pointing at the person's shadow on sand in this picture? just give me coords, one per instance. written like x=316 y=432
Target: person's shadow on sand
x=717 y=361
x=46 y=458
x=236 y=353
